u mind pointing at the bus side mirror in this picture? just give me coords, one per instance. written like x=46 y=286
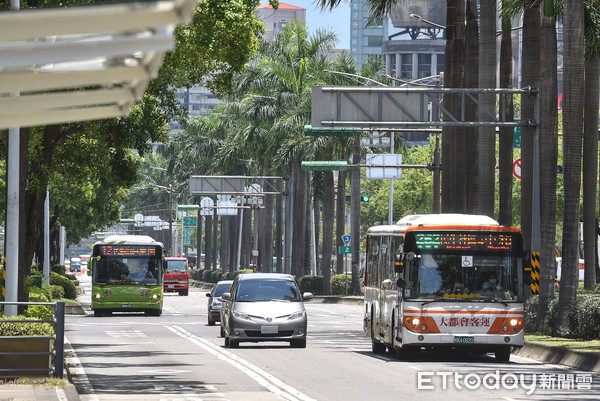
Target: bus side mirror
x=400 y=283
x=89 y=267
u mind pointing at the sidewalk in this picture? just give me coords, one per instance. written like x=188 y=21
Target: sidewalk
x=15 y=391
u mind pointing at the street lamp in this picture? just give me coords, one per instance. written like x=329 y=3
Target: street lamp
x=419 y=18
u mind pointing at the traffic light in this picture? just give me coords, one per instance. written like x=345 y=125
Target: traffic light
x=364 y=198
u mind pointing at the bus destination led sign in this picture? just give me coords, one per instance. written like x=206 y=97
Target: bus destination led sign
x=127 y=250
x=474 y=241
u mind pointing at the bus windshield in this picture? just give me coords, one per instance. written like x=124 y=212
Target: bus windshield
x=119 y=270
x=466 y=277
x=468 y=267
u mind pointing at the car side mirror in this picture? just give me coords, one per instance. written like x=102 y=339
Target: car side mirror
x=307 y=296
x=208 y=294
x=226 y=296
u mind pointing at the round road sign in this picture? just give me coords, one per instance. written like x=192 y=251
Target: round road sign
x=517 y=168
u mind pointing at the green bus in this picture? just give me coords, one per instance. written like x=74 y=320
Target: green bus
x=127 y=275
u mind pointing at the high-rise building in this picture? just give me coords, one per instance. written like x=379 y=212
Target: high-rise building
x=365 y=40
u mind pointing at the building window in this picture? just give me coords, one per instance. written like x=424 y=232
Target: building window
x=424 y=65
x=440 y=63
x=406 y=66
x=374 y=41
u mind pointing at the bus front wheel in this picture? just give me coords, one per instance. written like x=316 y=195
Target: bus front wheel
x=503 y=354
x=98 y=313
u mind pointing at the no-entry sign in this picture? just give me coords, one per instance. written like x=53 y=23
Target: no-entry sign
x=517 y=168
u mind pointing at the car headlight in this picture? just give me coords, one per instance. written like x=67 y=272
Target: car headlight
x=296 y=315
x=240 y=315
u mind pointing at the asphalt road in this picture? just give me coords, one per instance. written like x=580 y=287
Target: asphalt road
x=177 y=356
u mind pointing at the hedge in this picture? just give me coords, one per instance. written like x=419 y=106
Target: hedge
x=65 y=283
x=338 y=284
x=24 y=329
x=312 y=284
x=583 y=317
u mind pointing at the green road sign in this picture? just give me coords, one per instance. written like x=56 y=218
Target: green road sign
x=324 y=166
x=190 y=221
x=186 y=236
x=345 y=249
x=309 y=130
x=517 y=137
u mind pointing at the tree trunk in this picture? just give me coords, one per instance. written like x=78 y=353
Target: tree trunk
x=548 y=160
x=487 y=135
x=279 y=228
x=299 y=222
x=590 y=168
x=572 y=129
x=530 y=67
x=246 y=257
x=469 y=137
x=268 y=228
x=340 y=219
x=355 y=217
x=317 y=230
x=208 y=243
x=505 y=141
x=328 y=218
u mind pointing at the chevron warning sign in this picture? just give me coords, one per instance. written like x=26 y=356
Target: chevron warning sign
x=535 y=272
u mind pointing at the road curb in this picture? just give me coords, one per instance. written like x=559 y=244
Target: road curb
x=580 y=360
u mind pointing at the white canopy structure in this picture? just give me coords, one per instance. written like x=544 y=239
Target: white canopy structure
x=82 y=63
x=60 y=65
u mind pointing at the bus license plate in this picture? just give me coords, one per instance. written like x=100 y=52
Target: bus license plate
x=269 y=329
x=464 y=340
x=125 y=305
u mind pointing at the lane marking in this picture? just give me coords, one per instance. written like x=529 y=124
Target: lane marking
x=77 y=373
x=262 y=377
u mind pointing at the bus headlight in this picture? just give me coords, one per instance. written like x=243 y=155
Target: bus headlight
x=154 y=297
x=98 y=296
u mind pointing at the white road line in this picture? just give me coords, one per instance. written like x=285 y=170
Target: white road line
x=262 y=377
x=78 y=376
x=414 y=367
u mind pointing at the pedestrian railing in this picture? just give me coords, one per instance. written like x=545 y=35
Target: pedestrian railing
x=15 y=350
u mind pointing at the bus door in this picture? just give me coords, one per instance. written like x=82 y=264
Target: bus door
x=387 y=290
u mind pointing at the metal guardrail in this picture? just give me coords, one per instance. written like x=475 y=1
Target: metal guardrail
x=58 y=323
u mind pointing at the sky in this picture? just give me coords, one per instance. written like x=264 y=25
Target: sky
x=337 y=20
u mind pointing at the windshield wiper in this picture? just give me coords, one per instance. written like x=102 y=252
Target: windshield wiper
x=490 y=299
x=434 y=300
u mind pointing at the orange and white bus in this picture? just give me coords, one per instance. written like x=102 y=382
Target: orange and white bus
x=448 y=281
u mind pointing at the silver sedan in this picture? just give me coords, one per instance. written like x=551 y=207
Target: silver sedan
x=264 y=307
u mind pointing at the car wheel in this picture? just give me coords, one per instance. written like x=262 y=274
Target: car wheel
x=210 y=321
x=298 y=343
x=227 y=343
x=183 y=293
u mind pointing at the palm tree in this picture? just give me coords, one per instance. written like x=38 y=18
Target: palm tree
x=505 y=141
x=548 y=158
x=573 y=87
x=590 y=146
x=487 y=79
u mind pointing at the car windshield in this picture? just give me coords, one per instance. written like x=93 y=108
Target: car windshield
x=267 y=290
x=176 y=266
x=221 y=288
